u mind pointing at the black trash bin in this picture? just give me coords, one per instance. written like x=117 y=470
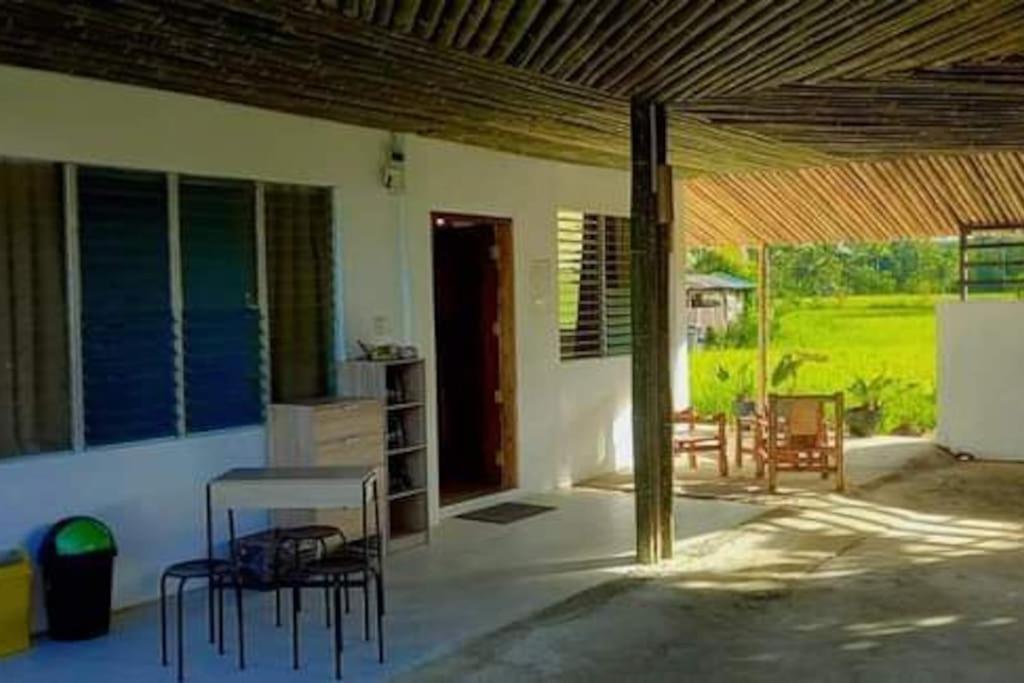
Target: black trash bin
x=77 y=557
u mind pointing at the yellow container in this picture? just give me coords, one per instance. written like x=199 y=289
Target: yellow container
x=15 y=614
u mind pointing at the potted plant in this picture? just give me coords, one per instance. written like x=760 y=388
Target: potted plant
x=743 y=404
x=865 y=416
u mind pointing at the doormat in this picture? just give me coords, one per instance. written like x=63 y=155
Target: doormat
x=506 y=513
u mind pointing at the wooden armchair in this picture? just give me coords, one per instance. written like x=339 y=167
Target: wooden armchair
x=805 y=434
x=693 y=434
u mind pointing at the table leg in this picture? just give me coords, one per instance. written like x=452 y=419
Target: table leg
x=380 y=542
x=209 y=557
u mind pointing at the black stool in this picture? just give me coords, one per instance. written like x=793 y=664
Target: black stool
x=219 y=574
x=296 y=537
x=333 y=573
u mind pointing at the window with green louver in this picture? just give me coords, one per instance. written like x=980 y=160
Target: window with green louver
x=128 y=345
x=594 y=314
x=221 y=318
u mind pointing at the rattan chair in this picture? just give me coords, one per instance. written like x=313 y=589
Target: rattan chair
x=805 y=434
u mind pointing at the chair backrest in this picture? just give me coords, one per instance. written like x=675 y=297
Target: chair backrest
x=803 y=421
x=685 y=416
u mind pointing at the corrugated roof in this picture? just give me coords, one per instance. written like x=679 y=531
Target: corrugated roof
x=716 y=282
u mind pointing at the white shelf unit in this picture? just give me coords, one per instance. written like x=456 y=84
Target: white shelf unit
x=401 y=386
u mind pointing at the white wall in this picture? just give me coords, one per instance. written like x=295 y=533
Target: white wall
x=573 y=417
x=981 y=378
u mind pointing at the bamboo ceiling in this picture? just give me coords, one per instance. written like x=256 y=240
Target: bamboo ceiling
x=910 y=197
x=768 y=98
x=753 y=84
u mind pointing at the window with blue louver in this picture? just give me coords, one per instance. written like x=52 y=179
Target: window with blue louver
x=221 y=314
x=126 y=319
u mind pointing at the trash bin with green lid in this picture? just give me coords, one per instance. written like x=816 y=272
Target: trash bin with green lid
x=77 y=557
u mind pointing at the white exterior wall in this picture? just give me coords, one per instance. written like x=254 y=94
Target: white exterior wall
x=981 y=378
x=574 y=418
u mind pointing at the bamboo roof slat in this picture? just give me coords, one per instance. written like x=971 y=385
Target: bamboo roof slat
x=791 y=120
x=906 y=198
x=753 y=84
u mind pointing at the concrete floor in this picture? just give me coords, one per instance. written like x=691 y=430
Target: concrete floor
x=917 y=575
x=473 y=579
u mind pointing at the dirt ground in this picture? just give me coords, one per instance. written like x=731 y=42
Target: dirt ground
x=915 y=576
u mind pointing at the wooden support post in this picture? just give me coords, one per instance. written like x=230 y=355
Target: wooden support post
x=763 y=322
x=652 y=395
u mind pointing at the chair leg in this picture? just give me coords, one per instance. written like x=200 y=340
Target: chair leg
x=181 y=631
x=772 y=476
x=210 y=606
x=366 y=606
x=338 y=644
x=841 y=473
x=295 y=629
x=163 y=620
x=739 y=444
x=241 y=623
x=348 y=605
x=327 y=587
x=379 y=580
x=220 y=616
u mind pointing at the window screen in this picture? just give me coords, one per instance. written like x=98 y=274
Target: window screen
x=34 y=387
x=593 y=285
x=221 y=314
x=128 y=347
x=300 y=289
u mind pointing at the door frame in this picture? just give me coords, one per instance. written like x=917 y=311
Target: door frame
x=507 y=356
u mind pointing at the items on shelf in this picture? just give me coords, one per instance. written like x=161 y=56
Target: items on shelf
x=387 y=352
x=396 y=432
x=399 y=479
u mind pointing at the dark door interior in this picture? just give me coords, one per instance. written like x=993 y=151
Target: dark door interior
x=468 y=363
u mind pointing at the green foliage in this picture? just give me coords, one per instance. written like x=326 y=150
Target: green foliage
x=872 y=393
x=739 y=334
x=787 y=370
x=734 y=261
x=862 y=336
x=741 y=381
x=905 y=267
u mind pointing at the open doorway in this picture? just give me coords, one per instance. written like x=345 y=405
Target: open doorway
x=474 y=334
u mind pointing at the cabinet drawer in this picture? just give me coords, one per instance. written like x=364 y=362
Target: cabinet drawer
x=361 y=449
x=351 y=418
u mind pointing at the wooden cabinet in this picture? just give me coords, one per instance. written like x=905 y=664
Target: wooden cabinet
x=324 y=432
x=400 y=386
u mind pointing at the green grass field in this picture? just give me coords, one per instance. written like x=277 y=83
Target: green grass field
x=861 y=336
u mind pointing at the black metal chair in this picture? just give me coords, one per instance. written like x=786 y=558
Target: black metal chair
x=335 y=574
x=220 y=574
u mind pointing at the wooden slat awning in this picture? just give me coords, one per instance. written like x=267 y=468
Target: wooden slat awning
x=911 y=197
x=750 y=85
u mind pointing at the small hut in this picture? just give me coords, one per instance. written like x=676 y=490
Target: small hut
x=714 y=301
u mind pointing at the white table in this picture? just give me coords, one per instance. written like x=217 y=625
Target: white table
x=299 y=488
